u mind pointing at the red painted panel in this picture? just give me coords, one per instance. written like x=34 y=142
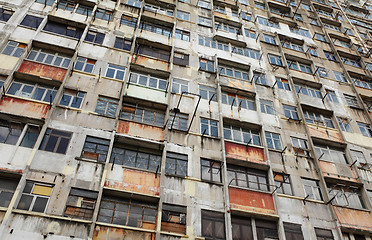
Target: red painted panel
x=23 y=107
x=42 y=70
x=239 y=151
x=248 y=200
x=141 y=130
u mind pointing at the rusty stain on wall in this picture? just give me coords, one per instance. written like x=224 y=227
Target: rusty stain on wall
x=135 y=181
x=42 y=70
x=109 y=233
x=141 y=130
x=23 y=107
x=329 y=134
x=151 y=63
x=247 y=200
x=329 y=169
x=239 y=151
x=353 y=218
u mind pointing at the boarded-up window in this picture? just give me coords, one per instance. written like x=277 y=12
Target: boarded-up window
x=80 y=204
x=35 y=197
x=213 y=225
x=173 y=219
x=293 y=231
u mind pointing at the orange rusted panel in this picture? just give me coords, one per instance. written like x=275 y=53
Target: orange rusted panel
x=239 y=84
x=221 y=15
x=353 y=218
x=330 y=170
x=251 y=201
x=110 y=233
x=141 y=130
x=151 y=63
x=239 y=151
x=42 y=70
x=136 y=181
x=329 y=134
x=23 y=107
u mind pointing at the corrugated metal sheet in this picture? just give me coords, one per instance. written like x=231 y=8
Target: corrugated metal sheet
x=109 y=233
x=42 y=70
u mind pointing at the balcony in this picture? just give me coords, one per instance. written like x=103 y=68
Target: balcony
x=42 y=70
x=104 y=232
x=323 y=133
x=235 y=151
x=338 y=171
x=21 y=107
x=354 y=219
x=140 y=130
x=151 y=63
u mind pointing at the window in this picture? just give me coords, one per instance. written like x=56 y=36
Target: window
x=266 y=230
x=282 y=83
x=246 y=16
x=299 y=143
x=209 y=42
x=292 y=45
x=220 y=9
x=250 y=33
x=300 y=31
x=46 y=2
x=348 y=196
x=31 y=135
x=14 y=49
x=351 y=62
x=360 y=83
x=241 y=228
x=323 y=234
x=55 y=141
x=180 y=86
x=134 y=3
x=84 y=10
x=142 y=114
x=313 y=21
x=2 y=80
x=227 y=28
x=103 y=14
x=176 y=164
x=208 y=127
x=204 y=4
x=7 y=189
x=267 y=106
x=358 y=156
x=81 y=203
x=332 y=27
x=207 y=22
x=127 y=212
x=293 y=231
x=115 y=71
x=63 y=29
x=320 y=37
x=178 y=121
x=251 y=53
x=183 y=15
x=239 y=101
x=122 y=43
x=10 y=132
x=156 y=28
x=158 y=9
x=260 y=78
x=365 y=129
x=330 y=56
x=312 y=189
x=283 y=183
x=318 y=119
x=208 y=93
x=5 y=14
x=269 y=39
x=106 y=106
x=302 y=89
x=95 y=149
x=136 y=158
x=182 y=34
x=298 y=17
x=173 y=218
x=260 y=5
x=184 y=1
x=152 y=52
x=213 y=225
x=351 y=101
x=206 y=65
x=95 y=37
x=49 y=57
x=32 y=91
x=247 y=177
x=148 y=81
x=66 y=5
x=275 y=60
x=349 y=32
x=72 y=98
x=325 y=153
x=181 y=59
x=331 y=95
x=31 y=21
x=85 y=64
x=306 y=7
x=35 y=197
x=211 y=170
x=273 y=141
x=340 y=77
x=243 y=135
x=322 y=72
x=290 y=112
x=344 y=124
x=233 y=72
x=302 y=67
x=129 y=20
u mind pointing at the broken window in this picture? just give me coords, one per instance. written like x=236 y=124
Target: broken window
x=128 y=20
x=72 y=98
x=178 y=121
x=156 y=28
x=148 y=81
x=10 y=132
x=208 y=127
x=33 y=91
x=49 y=57
x=63 y=29
x=31 y=135
x=241 y=228
x=95 y=37
x=31 y=21
x=95 y=148
x=208 y=93
x=35 y=197
x=239 y=101
x=266 y=230
x=5 y=14
x=122 y=43
x=213 y=225
x=7 y=189
x=103 y=14
x=14 y=49
x=85 y=64
x=81 y=203
x=293 y=231
x=127 y=212
x=181 y=59
x=312 y=189
x=323 y=234
x=84 y=10
x=243 y=135
x=182 y=34
x=176 y=164
x=247 y=177
x=55 y=141
x=211 y=170
x=273 y=141
x=283 y=183
x=151 y=51
x=173 y=218
x=115 y=71
x=106 y=106
x=180 y=86
x=142 y=114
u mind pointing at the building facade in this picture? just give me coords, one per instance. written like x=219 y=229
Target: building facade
x=188 y=119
